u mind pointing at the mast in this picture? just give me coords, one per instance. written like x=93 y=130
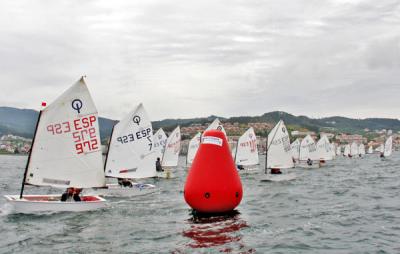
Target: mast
x=29 y=156
x=108 y=148
x=266 y=154
x=237 y=146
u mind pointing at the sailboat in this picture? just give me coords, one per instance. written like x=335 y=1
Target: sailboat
x=346 y=151
x=354 y=150
x=309 y=157
x=388 y=147
x=380 y=148
x=370 y=150
x=172 y=149
x=333 y=150
x=130 y=155
x=66 y=152
x=295 y=147
x=195 y=141
x=339 y=150
x=159 y=141
x=171 y=154
x=361 y=150
x=194 y=144
x=216 y=125
x=324 y=150
x=279 y=154
x=246 y=152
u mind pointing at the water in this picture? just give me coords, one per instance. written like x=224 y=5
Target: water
x=352 y=206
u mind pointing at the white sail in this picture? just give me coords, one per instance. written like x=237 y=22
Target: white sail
x=172 y=149
x=308 y=149
x=67 y=148
x=159 y=141
x=246 y=150
x=346 y=150
x=279 y=153
x=295 y=147
x=193 y=147
x=216 y=125
x=333 y=150
x=388 y=147
x=380 y=148
x=370 y=150
x=361 y=149
x=324 y=149
x=354 y=149
x=131 y=153
x=338 y=150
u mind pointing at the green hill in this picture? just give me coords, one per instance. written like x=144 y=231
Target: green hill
x=22 y=122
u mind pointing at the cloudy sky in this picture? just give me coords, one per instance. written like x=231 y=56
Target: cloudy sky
x=196 y=58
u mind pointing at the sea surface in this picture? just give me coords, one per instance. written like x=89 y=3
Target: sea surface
x=349 y=206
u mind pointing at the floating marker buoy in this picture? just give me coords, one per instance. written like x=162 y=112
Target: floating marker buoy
x=213 y=184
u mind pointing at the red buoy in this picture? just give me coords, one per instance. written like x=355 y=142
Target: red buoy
x=213 y=184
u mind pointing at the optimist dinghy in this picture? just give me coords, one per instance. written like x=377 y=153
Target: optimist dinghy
x=309 y=157
x=387 y=151
x=170 y=157
x=66 y=152
x=131 y=155
x=324 y=150
x=246 y=152
x=279 y=154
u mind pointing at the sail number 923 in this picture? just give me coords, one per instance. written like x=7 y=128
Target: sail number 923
x=145 y=133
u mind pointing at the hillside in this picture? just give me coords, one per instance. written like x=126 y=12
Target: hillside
x=22 y=122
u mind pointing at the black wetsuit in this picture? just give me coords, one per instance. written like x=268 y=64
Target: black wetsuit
x=76 y=197
x=65 y=196
x=158 y=166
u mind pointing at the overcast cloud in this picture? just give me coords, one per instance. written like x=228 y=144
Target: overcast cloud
x=196 y=58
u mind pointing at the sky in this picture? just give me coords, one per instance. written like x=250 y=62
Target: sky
x=184 y=58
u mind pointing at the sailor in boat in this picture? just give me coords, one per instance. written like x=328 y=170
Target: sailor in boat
x=124 y=182
x=382 y=155
x=71 y=194
x=158 y=165
x=309 y=162
x=76 y=196
x=275 y=171
x=240 y=167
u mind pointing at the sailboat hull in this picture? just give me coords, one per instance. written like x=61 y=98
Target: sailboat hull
x=52 y=203
x=137 y=189
x=303 y=164
x=278 y=178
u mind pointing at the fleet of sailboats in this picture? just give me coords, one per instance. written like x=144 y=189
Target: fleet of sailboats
x=66 y=153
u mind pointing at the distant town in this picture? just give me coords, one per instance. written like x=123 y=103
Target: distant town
x=11 y=144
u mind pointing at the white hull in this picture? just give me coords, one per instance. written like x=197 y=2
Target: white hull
x=303 y=164
x=116 y=190
x=249 y=170
x=278 y=177
x=52 y=203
